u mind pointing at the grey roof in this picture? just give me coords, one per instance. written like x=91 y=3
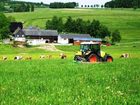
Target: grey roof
x=72 y=36
x=19 y=32
x=38 y=32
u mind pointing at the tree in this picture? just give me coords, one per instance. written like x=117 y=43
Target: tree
x=102 y=6
x=94 y=28
x=2 y=8
x=32 y=8
x=97 y=5
x=4 y=26
x=69 y=24
x=27 y=8
x=135 y=4
x=103 y=32
x=123 y=4
x=79 y=23
x=63 y=5
x=55 y=24
x=116 y=37
x=60 y=25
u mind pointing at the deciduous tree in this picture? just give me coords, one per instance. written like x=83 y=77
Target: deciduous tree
x=4 y=26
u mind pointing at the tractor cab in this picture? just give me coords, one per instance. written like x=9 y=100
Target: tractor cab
x=88 y=47
x=91 y=52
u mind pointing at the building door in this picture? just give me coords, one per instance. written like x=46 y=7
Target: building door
x=71 y=41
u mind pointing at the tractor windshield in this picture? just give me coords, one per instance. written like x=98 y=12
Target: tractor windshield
x=95 y=48
x=85 y=47
x=90 y=47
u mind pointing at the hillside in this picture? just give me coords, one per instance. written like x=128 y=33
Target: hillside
x=126 y=20
x=55 y=81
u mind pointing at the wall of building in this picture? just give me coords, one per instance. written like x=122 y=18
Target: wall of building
x=78 y=42
x=36 y=41
x=20 y=39
x=51 y=39
x=63 y=40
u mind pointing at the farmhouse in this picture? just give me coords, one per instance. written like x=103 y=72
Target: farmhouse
x=35 y=36
x=19 y=36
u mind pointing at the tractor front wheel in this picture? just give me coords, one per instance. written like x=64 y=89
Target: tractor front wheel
x=109 y=59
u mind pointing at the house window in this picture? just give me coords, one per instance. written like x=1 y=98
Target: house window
x=22 y=35
x=17 y=35
x=65 y=38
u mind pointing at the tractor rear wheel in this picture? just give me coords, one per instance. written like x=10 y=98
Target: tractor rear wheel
x=109 y=59
x=93 y=58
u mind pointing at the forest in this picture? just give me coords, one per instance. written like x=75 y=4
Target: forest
x=20 y=6
x=63 y=5
x=123 y=4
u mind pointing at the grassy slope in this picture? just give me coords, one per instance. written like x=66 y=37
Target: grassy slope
x=115 y=51
x=126 y=20
x=67 y=83
x=34 y=52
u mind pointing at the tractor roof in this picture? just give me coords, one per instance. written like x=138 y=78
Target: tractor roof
x=90 y=43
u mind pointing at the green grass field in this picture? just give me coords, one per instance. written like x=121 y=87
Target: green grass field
x=126 y=20
x=63 y=82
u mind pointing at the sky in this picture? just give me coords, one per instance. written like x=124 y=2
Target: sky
x=78 y=1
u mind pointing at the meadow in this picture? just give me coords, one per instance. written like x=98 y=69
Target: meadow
x=63 y=82
x=126 y=20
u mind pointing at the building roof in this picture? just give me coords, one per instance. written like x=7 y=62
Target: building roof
x=90 y=43
x=89 y=39
x=19 y=32
x=38 y=32
x=73 y=36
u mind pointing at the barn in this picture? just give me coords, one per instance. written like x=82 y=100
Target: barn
x=69 y=38
x=77 y=41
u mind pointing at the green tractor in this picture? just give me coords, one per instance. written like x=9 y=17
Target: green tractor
x=90 y=52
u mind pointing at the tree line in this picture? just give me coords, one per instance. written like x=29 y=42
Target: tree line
x=22 y=7
x=19 y=6
x=94 y=28
x=63 y=5
x=123 y=4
